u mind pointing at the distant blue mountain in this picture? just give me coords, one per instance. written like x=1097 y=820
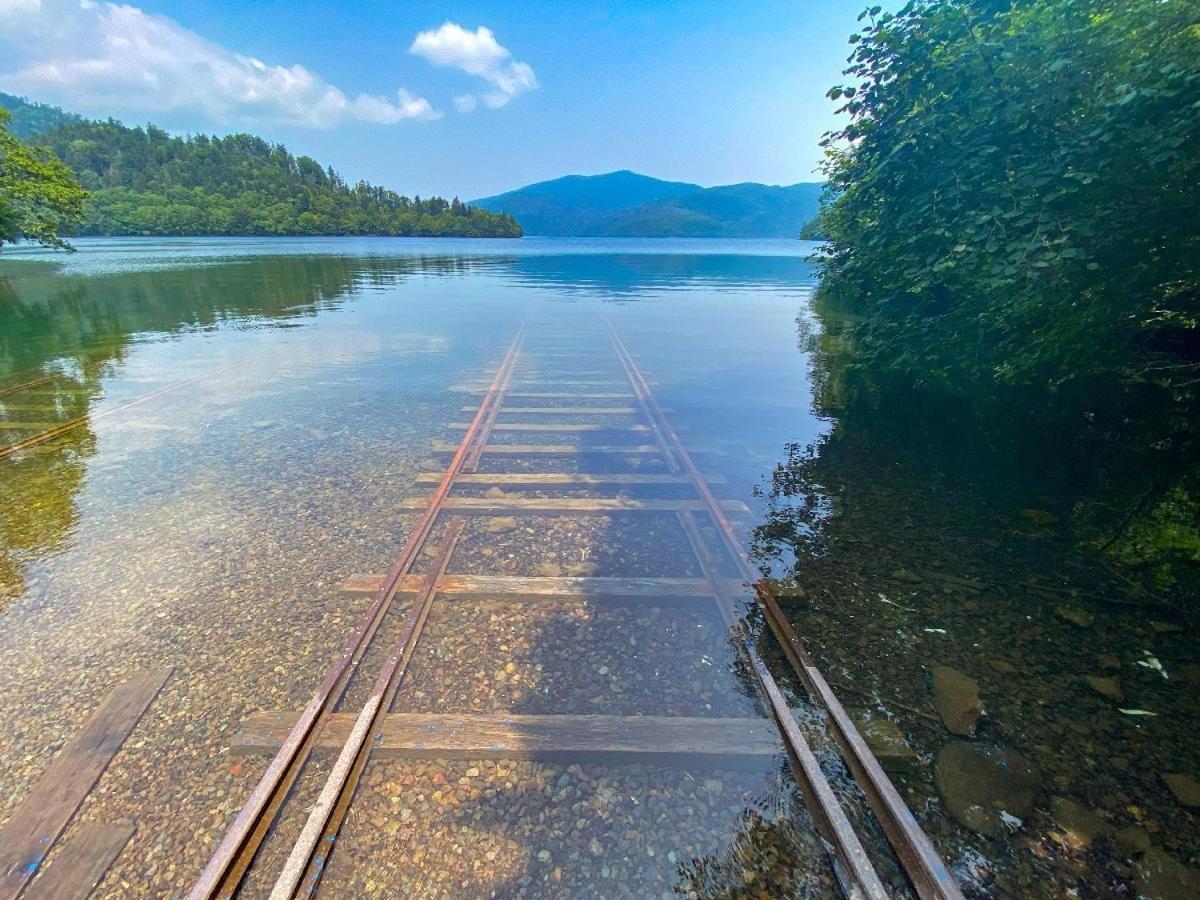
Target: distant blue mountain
x=627 y=204
x=574 y=204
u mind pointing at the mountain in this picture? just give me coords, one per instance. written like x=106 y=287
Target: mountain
x=29 y=118
x=735 y=210
x=144 y=181
x=626 y=204
x=572 y=205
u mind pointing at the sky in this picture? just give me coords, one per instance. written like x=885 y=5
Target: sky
x=459 y=99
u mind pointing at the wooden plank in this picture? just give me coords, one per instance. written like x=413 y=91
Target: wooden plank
x=560 y=479
x=687 y=740
x=41 y=817
x=541 y=587
x=556 y=426
x=484 y=506
x=552 y=395
x=83 y=861
x=568 y=410
x=573 y=372
x=473 y=387
x=553 y=449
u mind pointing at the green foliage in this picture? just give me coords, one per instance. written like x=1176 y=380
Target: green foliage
x=1016 y=198
x=30 y=118
x=143 y=181
x=39 y=198
x=1014 y=212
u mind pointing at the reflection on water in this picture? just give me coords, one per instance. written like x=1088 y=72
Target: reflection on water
x=210 y=528
x=1041 y=700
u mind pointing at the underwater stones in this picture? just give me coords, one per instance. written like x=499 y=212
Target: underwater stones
x=956 y=698
x=1185 y=788
x=1040 y=517
x=1105 y=687
x=1081 y=825
x=1166 y=627
x=1076 y=615
x=1159 y=876
x=548 y=570
x=494 y=493
x=987 y=788
x=500 y=524
x=886 y=741
x=1132 y=840
x=785 y=589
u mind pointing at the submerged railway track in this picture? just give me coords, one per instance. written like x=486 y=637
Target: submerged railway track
x=726 y=581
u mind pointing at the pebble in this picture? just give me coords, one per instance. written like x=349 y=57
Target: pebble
x=1185 y=788
x=1159 y=876
x=500 y=525
x=1106 y=687
x=1076 y=615
x=1082 y=825
x=956 y=698
x=1132 y=840
x=980 y=782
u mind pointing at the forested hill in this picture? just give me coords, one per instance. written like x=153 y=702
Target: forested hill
x=30 y=118
x=627 y=204
x=144 y=181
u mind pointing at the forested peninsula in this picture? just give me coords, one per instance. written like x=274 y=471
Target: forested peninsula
x=144 y=181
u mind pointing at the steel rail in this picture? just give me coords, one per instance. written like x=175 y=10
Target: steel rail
x=920 y=860
x=227 y=866
x=44 y=376
x=325 y=820
x=24 y=386
x=120 y=407
x=851 y=864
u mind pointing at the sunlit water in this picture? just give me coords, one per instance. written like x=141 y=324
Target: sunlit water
x=303 y=385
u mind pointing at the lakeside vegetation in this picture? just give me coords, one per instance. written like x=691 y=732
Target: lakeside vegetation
x=39 y=197
x=144 y=181
x=1013 y=225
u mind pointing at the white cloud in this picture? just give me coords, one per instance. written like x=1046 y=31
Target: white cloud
x=476 y=53
x=465 y=103
x=10 y=7
x=109 y=57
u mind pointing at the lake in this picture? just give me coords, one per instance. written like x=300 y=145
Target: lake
x=243 y=425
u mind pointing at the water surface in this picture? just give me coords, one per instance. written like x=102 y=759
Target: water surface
x=305 y=384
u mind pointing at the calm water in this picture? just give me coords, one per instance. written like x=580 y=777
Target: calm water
x=290 y=393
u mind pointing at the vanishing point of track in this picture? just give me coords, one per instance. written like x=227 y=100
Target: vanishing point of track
x=360 y=734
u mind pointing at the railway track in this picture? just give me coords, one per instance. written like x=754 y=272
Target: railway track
x=725 y=576
x=41 y=432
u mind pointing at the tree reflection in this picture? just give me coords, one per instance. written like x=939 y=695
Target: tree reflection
x=62 y=335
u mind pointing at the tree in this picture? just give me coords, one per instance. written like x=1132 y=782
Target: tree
x=1013 y=220
x=40 y=199
x=138 y=178
x=1015 y=200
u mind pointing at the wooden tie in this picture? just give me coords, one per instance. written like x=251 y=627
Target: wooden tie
x=375 y=730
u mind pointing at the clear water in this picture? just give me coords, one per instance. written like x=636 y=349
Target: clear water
x=305 y=384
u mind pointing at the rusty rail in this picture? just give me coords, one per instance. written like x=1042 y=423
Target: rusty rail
x=87 y=419
x=306 y=864
x=224 y=871
x=917 y=855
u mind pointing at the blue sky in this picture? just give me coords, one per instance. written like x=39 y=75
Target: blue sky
x=711 y=92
